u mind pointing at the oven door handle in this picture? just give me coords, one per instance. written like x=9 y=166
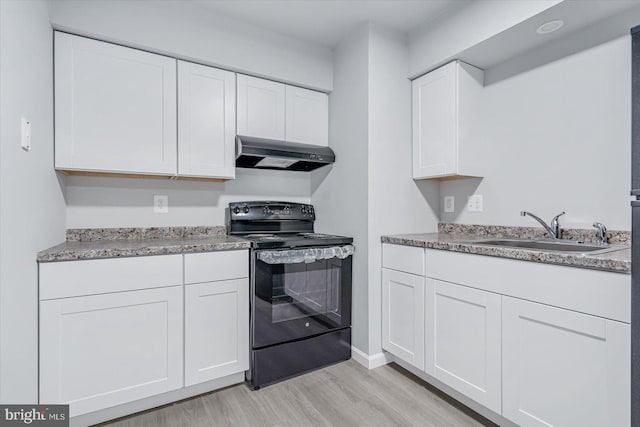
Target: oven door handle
x=306 y=255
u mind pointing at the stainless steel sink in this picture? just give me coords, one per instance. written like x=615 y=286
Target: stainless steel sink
x=550 y=245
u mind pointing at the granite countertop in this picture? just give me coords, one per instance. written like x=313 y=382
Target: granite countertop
x=456 y=239
x=82 y=244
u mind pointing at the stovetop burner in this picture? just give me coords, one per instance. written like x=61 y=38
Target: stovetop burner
x=291 y=240
x=278 y=225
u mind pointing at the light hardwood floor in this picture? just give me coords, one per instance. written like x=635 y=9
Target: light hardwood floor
x=345 y=394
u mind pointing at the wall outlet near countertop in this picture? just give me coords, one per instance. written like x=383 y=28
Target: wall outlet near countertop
x=475 y=203
x=160 y=204
x=449 y=204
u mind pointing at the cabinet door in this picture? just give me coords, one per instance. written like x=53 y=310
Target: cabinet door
x=463 y=341
x=562 y=368
x=206 y=121
x=105 y=350
x=307 y=116
x=216 y=330
x=403 y=316
x=115 y=108
x=260 y=108
x=435 y=145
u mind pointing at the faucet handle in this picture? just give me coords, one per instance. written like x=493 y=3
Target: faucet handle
x=555 y=225
x=601 y=230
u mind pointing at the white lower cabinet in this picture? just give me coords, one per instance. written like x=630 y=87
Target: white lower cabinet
x=114 y=331
x=530 y=342
x=463 y=340
x=99 y=351
x=216 y=330
x=562 y=368
x=403 y=311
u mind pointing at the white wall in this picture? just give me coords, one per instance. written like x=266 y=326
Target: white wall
x=339 y=193
x=32 y=210
x=369 y=191
x=397 y=204
x=192 y=32
x=121 y=202
x=554 y=138
x=467 y=27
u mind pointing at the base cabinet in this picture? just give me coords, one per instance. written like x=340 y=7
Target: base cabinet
x=403 y=316
x=463 y=340
x=99 y=351
x=562 y=368
x=216 y=330
x=527 y=343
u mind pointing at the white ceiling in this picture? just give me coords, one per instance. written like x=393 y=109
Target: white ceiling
x=326 y=22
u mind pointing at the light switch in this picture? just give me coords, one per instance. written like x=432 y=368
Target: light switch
x=475 y=203
x=449 y=204
x=25 y=134
x=161 y=204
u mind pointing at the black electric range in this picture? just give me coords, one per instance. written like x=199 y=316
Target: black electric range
x=300 y=290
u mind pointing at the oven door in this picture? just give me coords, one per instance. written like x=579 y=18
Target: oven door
x=297 y=298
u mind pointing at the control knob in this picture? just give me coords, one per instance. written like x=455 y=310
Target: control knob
x=236 y=210
x=245 y=209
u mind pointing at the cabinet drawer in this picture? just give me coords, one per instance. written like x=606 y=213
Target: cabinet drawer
x=213 y=266
x=99 y=276
x=403 y=258
x=599 y=293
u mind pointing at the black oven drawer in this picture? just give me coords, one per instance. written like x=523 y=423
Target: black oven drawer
x=272 y=364
x=298 y=300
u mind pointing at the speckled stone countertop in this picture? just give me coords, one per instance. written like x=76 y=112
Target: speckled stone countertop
x=97 y=243
x=456 y=239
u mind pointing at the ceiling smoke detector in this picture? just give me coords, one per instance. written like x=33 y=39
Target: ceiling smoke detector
x=550 y=27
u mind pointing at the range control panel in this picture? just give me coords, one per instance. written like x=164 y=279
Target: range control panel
x=256 y=211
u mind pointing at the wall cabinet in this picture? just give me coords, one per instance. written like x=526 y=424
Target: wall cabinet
x=207 y=121
x=122 y=111
x=106 y=349
x=306 y=116
x=115 y=108
x=443 y=109
x=261 y=108
x=272 y=110
x=216 y=315
x=563 y=368
x=464 y=340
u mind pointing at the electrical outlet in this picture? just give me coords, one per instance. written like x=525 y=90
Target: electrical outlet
x=449 y=204
x=160 y=204
x=475 y=203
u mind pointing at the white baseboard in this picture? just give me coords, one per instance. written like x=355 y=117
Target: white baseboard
x=154 y=401
x=371 y=361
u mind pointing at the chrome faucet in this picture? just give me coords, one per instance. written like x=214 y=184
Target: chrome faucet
x=602 y=233
x=553 y=229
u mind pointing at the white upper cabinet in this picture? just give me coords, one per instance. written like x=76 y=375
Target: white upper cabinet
x=443 y=106
x=273 y=110
x=307 y=116
x=115 y=108
x=206 y=121
x=260 y=108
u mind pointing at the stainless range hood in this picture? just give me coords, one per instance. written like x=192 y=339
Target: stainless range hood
x=260 y=153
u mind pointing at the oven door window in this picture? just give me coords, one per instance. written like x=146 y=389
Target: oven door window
x=296 y=300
